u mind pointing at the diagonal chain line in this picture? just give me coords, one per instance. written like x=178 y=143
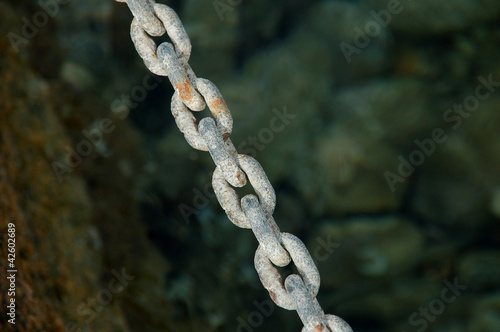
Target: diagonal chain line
x=298 y=291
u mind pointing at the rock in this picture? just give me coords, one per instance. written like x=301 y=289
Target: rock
x=481 y=269
x=366 y=249
x=495 y=203
x=352 y=157
x=428 y=17
x=485 y=315
x=352 y=48
x=456 y=184
x=77 y=76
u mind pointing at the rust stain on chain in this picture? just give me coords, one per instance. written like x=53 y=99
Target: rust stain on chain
x=240 y=177
x=185 y=90
x=273 y=296
x=319 y=328
x=218 y=106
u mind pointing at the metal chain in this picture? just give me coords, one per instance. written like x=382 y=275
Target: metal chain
x=298 y=291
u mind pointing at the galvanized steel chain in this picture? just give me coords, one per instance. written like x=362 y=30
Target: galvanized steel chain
x=298 y=291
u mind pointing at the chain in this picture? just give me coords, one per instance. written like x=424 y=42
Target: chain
x=298 y=291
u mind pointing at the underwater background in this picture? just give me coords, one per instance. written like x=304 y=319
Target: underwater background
x=376 y=121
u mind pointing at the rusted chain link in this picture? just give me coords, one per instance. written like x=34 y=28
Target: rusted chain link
x=298 y=291
x=220 y=153
x=265 y=230
x=270 y=276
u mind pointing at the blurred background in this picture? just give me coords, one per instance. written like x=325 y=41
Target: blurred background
x=376 y=121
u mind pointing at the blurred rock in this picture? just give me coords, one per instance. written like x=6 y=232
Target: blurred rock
x=350 y=158
x=481 y=269
x=366 y=249
x=495 y=203
x=427 y=17
x=456 y=184
x=485 y=314
x=353 y=46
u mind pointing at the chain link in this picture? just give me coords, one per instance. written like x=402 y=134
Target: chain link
x=265 y=230
x=271 y=279
x=144 y=13
x=217 y=106
x=298 y=291
x=181 y=77
x=228 y=198
x=186 y=122
x=306 y=305
x=220 y=153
